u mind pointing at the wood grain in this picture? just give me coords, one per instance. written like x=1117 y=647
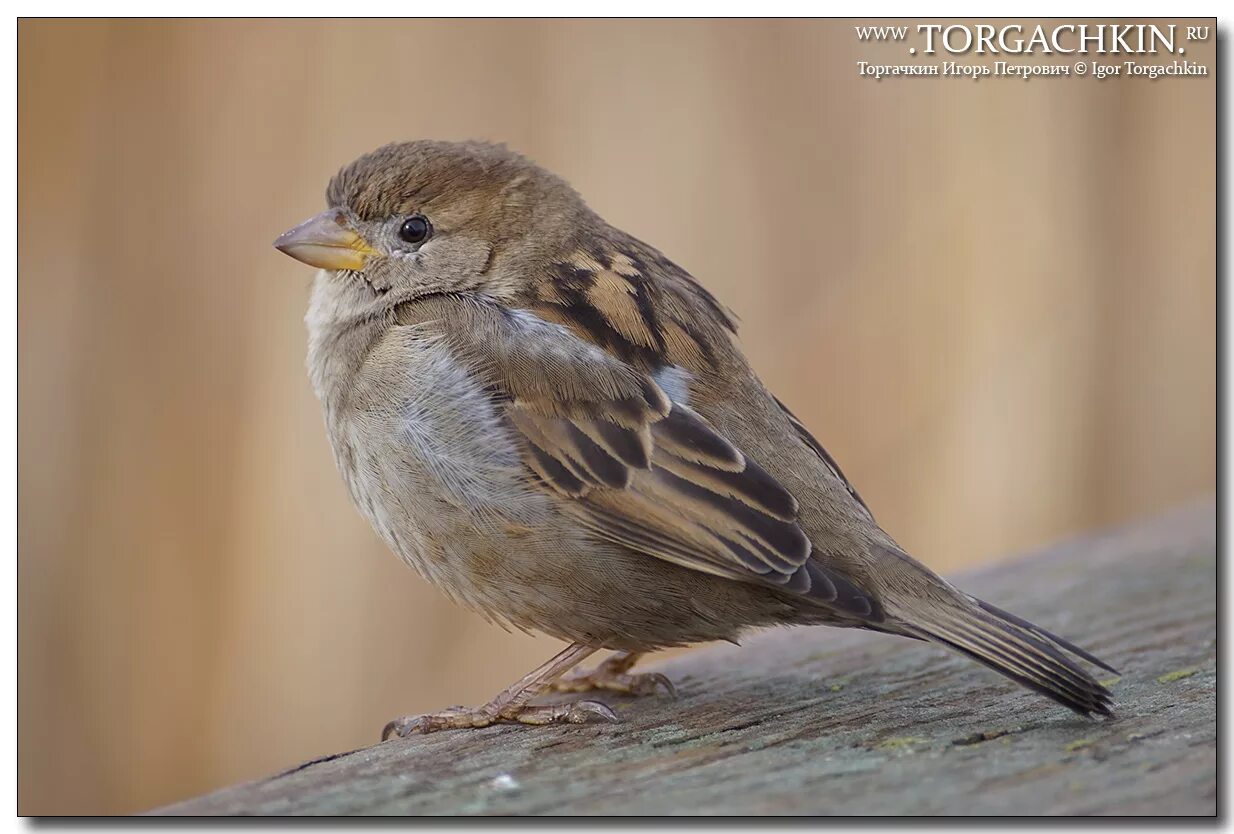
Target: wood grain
x=816 y=721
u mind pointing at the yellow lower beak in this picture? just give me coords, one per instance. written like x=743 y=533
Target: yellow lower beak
x=326 y=241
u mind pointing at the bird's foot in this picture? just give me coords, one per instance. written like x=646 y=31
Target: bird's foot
x=462 y=718
x=613 y=675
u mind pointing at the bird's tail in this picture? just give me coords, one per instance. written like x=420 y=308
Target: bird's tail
x=1012 y=646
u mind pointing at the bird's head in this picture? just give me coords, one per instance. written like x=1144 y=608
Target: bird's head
x=417 y=218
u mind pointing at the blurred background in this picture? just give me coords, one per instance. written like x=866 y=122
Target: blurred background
x=993 y=301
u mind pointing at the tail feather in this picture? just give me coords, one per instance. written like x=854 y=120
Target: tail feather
x=1028 y=654
x=1041 y=632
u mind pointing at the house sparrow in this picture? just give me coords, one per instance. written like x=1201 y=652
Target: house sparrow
x=554 y=423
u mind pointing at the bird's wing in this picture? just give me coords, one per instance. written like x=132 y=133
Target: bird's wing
x=633 y=466
x=824 y=456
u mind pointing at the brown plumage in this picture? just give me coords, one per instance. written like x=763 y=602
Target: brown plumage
x=555 y=424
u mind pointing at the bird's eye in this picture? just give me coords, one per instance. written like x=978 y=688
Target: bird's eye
x=415 y=229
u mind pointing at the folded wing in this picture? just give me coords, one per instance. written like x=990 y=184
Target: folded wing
x=638 y=469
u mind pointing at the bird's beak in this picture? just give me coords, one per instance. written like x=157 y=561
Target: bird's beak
x=326 y=241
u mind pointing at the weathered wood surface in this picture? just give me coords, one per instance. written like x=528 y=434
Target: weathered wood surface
x=821 y=721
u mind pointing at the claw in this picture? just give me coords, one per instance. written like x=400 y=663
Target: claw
x=391 y=727
x=580 y=712
x=661 y=681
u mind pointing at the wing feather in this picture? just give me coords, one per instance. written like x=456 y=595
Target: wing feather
x=635 y=467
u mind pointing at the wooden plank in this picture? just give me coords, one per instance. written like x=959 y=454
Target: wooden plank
x=822 y=721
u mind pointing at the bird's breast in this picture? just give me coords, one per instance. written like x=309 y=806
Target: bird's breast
x=429 y=459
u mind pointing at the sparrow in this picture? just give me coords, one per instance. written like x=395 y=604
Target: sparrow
x=555 y=425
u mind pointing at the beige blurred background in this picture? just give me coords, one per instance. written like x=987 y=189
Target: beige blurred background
x=993 y=301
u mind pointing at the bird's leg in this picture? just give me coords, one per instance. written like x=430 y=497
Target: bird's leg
x=614 y=675
x=511 y=704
